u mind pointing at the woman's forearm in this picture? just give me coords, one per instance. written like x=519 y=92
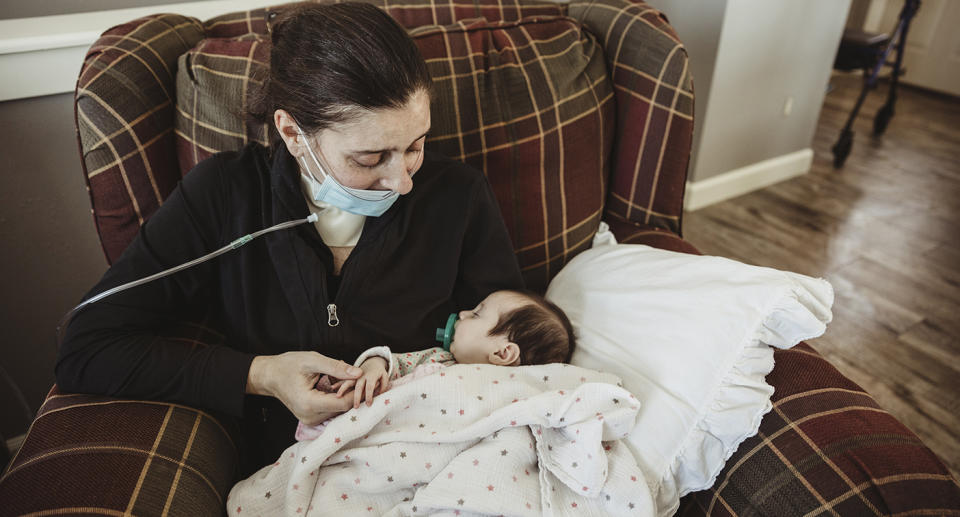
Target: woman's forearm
x=143 y=365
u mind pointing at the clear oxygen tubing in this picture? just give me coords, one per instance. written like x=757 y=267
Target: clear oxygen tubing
x=312 y=218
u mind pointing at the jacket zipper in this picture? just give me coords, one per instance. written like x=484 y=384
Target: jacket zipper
x=333 y=319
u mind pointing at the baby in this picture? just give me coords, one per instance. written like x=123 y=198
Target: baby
x=507 y=328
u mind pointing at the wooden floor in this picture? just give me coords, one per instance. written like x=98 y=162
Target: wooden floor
x=885 y=231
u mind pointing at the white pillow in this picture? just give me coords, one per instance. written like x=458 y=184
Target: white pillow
x=688 y=335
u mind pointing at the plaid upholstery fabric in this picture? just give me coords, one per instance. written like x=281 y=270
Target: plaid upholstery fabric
x=101 y=455
x=109 y=456
x=236 y=24
x=527 y=101
x=651 y=76
x=633 y=233
x=411 y=14
x=651 y=139
x=214 y=88
x=155 y=456
x=827 y=448
x=124 y=114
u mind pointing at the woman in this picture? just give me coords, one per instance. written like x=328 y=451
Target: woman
x=403 y=238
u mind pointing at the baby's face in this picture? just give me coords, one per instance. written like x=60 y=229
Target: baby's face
x=472 y=342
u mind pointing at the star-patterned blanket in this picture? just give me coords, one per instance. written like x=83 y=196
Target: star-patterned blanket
x=467 y=440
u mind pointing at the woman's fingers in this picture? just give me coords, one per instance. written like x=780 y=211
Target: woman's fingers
x=339 y=369
x=318 y=406
x=292 y=377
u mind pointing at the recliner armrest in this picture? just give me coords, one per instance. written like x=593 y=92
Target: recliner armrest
x=826 y=448
x=124 y=111
x=108 y=455
x=630 y=232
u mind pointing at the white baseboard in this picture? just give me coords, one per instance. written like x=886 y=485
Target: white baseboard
x=746 y=179
x=42 y=55
x=13 y=444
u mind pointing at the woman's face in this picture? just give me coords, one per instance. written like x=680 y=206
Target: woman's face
x=376 y=150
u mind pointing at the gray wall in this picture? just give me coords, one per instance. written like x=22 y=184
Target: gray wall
x=768 y=51
x=747 y=57
x=51 y=254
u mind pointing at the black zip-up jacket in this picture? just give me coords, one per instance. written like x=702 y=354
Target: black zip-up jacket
x=440 y=248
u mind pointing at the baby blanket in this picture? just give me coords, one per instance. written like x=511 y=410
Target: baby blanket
x=467 y=440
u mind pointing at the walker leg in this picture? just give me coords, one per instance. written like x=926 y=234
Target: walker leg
x=886 y=112
x=842 y=148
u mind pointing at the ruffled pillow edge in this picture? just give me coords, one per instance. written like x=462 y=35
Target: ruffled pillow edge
x=706 y=449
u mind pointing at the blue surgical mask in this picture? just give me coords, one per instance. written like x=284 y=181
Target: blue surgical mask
x=371 y=203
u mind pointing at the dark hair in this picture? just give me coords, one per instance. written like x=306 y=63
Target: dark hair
x=541 y=330
x=328 y=61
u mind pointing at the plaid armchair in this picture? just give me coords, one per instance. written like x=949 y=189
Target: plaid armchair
x=576 y=112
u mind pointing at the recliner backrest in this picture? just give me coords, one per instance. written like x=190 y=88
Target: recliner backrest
x=574 y=111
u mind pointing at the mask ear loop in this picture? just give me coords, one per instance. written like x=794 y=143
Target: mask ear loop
x=312 y=155
x=357 y=193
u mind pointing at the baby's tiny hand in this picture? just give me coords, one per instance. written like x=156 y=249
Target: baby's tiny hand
x=343 y=387
x=373 y=382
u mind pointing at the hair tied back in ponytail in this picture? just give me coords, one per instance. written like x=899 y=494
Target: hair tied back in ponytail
x=329 y=62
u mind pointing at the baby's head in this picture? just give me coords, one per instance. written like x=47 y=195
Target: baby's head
x=510 y=328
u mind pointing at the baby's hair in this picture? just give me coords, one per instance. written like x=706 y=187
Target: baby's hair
x=540 y=329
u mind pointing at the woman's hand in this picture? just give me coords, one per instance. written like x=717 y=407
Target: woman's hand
x=291 y=376
x=373 y=382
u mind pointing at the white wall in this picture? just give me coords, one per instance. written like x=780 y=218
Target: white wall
x=932 y=56
x=768 y=53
